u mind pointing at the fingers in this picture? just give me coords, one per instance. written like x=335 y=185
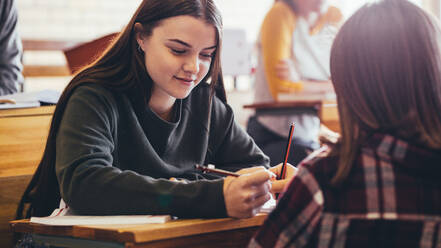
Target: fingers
x=290 y=170
x=245 y=195
x=258 y=191
x=279 y=185
x=250 y=170
x=257 y=178
x=277 y=169
x=254 y=203
x=251 y=193
x=258 y=203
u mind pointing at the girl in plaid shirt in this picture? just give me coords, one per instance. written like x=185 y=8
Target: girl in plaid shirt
x=380 y=185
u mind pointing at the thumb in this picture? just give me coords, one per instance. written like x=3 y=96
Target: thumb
x=279 y=185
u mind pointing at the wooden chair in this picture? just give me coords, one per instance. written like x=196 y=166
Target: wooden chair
x=46 y=70
x=83 y=54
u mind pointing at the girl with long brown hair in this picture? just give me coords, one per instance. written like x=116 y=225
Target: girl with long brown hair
x=380 y=186
x=151 y=108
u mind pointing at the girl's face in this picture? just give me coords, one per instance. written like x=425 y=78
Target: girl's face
x=178 y=55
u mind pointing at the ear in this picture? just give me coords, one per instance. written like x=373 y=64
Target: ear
x=139 y=30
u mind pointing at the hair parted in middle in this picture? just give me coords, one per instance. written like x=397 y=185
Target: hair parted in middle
x=386 y=71
x=120 y=68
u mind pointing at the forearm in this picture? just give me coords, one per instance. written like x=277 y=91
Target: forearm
x=110 y=191
x=276 y=45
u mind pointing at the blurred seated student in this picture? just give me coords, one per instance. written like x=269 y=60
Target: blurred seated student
x=380 y=186
x=294 y=45
x=10 y=49
x=151 y=108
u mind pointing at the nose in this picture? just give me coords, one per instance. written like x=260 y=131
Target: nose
x=191 y=65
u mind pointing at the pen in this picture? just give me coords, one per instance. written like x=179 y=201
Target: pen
x=206 y=169
x=288 y=145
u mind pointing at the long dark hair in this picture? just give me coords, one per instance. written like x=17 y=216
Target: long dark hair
x=386 y=71
x=120 y=68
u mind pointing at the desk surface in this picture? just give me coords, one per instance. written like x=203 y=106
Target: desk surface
x=23 y=135
x=146 y=233
x=21 y=112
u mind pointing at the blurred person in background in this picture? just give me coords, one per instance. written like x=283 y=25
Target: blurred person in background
x=379 y=186
x=10 y=49
x=294 y=46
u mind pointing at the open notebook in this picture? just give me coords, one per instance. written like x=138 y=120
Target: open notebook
x=63 y=217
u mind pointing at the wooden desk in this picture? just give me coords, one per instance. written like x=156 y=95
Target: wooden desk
x=178 y=233
x=23 y=135
x=325 y=105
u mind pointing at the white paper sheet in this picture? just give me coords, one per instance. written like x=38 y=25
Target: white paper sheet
x=73 y=220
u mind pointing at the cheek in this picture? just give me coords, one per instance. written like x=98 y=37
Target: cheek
x=204 y=66
x=159 y=68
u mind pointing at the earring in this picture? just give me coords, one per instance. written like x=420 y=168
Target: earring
x=139 y=49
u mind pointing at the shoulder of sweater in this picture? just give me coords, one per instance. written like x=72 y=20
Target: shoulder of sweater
x=280 y=12
x=95 y=93
x=281 y=7
x=93 y=88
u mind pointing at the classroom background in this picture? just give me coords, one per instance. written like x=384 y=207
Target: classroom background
x=78 y=21
x=57 y=24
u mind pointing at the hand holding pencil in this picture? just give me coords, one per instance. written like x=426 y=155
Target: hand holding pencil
x=245 y=194
x=279 y=185
x=281 y=170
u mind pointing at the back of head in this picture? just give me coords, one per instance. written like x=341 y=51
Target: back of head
x=386 y=71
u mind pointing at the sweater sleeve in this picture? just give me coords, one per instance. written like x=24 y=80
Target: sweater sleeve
x=10 y=49
x=276 y=44
x=232 y=148
x=91 y=184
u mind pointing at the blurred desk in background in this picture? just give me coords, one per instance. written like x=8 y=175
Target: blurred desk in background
x=77 y=54
x=325 y=104
x=46 y=70
x=23 y=134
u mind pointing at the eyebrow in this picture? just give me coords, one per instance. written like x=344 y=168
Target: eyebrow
x=188 y=45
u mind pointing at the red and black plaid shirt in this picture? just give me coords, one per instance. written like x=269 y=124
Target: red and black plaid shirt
x=391 y=198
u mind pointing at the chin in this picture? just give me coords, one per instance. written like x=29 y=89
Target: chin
x=182 y=95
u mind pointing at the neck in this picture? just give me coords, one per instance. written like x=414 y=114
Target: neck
x=162 y=105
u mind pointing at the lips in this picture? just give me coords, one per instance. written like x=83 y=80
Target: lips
x=185 y=80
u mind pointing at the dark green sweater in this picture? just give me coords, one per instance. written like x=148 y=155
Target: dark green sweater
x=115 y=156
